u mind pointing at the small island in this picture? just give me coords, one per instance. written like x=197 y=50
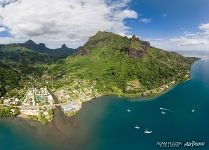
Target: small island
x=34 y=80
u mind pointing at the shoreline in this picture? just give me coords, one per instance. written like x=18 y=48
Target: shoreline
x=136 y=96
x=55 y=120
x=146 y=95
x=132 y=97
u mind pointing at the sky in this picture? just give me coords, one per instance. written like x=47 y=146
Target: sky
x=181 y=25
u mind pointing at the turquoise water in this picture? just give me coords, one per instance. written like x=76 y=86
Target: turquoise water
x=105 y=124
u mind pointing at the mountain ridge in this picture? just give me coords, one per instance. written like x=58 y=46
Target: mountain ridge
x=61 y=52
x=117 y=63
x=133 y=46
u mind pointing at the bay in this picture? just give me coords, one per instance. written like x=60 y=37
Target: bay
x=105 y=123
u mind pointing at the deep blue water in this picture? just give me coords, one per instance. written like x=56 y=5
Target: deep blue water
x=105 y=124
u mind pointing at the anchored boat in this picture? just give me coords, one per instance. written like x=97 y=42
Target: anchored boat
x=128 y=110
x=137 y=127
x=147 y=131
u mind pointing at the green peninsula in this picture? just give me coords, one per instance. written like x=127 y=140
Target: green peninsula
x=122 y=66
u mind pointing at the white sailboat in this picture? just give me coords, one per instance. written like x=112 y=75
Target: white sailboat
x=193 y=110
x=137 y=127
x=147 y=131
x=163 y=112
x=128 y=110
x=165 y=109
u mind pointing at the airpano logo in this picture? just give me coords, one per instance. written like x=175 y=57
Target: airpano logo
x=194 y=144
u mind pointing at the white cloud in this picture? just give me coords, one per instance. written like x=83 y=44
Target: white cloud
x=145 y=20
x=187 y=41
x=7 y=40
x=58 y=21
x=204 y=28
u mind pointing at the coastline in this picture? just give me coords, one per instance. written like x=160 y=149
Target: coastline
x=146 y=95
x=138 y=95
x=133 y=97
x=104 y=114
x=149 y=96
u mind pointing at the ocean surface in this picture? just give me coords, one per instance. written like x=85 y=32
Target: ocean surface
x=105 y=123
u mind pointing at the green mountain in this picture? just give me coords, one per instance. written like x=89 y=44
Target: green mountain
x=16 y=64
x=20 y=61
x=113 y=64
x=58 y=53
x=123 y=66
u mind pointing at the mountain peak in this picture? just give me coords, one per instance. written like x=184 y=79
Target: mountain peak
x=134 y=47
x=64 y=46
x=30 y=42
x=42 y=44
x=104 y=33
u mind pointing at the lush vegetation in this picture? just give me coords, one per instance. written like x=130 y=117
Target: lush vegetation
x=117 y=64
x=107 y=64
x=105 y=59
x=9 y=112
x=16 y=65
x=22 y=65
x=8 y=78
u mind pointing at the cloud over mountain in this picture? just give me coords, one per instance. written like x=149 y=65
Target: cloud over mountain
x=58 y=21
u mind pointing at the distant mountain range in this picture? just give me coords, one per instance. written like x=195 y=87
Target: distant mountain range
x=20 y=60
x=62 y=52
